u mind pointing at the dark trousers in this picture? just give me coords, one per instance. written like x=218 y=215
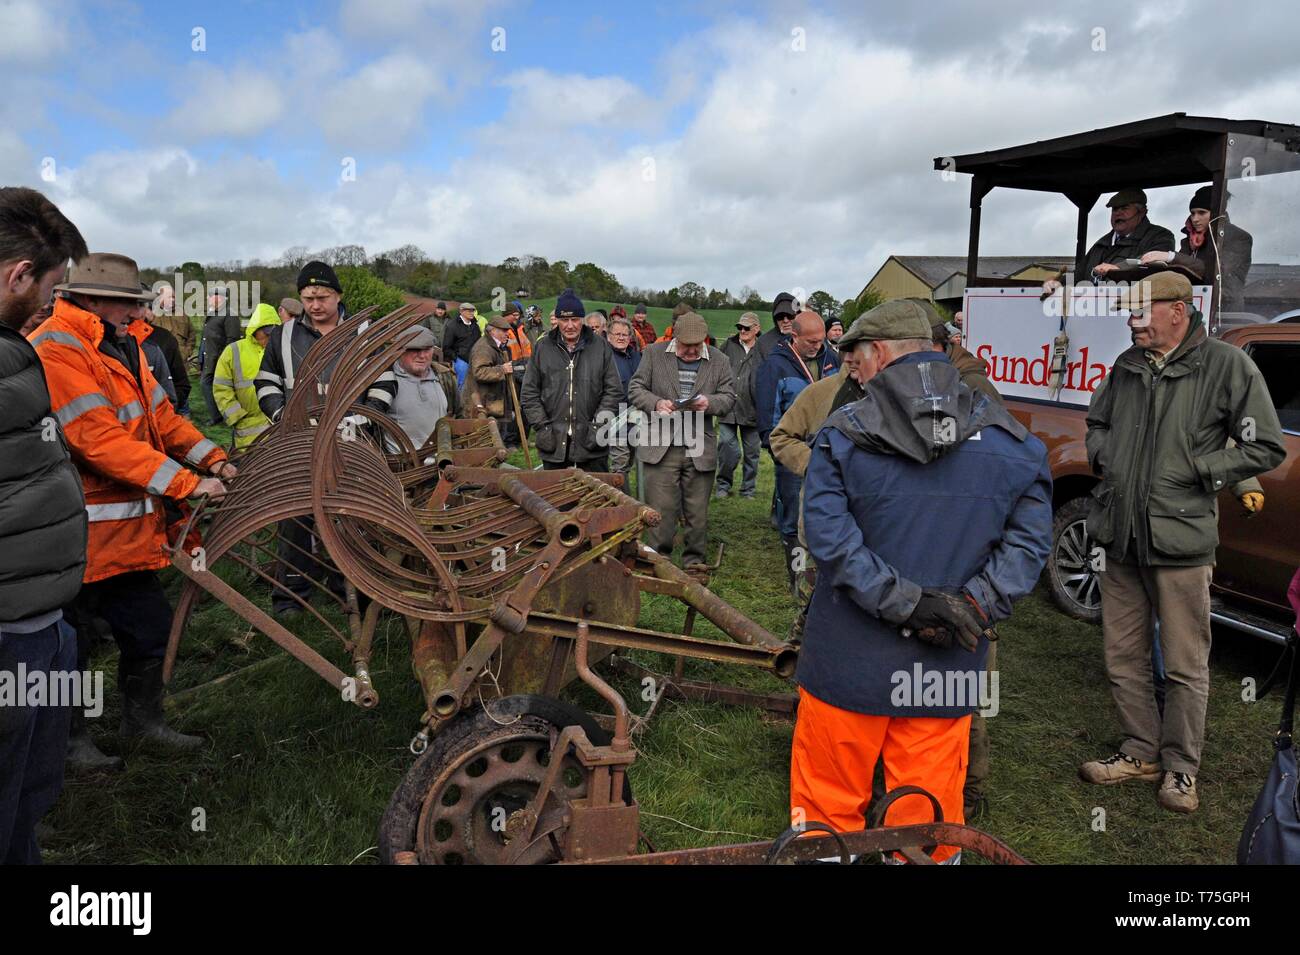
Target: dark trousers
x=296 y=562
x=731 y=438
x=33 y=741
x=593 y=465
x=788 y=489
x=135 y=607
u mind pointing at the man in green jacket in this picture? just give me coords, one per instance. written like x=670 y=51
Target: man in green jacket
x=1158 y=436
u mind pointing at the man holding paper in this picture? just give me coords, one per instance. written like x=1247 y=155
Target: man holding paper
x=683 y=385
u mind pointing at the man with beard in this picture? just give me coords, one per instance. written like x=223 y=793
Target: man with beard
x=42 y=521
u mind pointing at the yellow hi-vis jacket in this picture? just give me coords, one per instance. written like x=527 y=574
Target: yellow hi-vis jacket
x=233 y=386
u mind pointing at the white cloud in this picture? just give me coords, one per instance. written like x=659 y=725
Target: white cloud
x=384 y=101
x=791 y=169
x=237 y=103
x=32 y=31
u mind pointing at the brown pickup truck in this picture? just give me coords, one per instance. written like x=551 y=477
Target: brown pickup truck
x=1257 y=554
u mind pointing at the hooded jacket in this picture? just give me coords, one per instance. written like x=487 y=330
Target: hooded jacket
x=127 y=440
x=563 y=393
x=780 y=379
x=234 y=383
x=1158 y=439
x=42 y=510
x=885 y=477
x=1238 y=249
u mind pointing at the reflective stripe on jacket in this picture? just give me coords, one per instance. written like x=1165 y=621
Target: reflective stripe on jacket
x=234 y=385
x=125 y=437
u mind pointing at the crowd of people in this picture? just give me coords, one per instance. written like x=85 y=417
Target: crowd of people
x=877 y=434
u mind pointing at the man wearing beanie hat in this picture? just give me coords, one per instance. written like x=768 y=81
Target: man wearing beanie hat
x=1158 y=437
x=570 y=388
x=321 y=296
x=902 y=601
x=684 y=385
x=645 y=332
x=320 y=292
x=1201 y=250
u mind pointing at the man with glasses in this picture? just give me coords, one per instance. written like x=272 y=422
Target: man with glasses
x=738 y=427
x=1158 y=437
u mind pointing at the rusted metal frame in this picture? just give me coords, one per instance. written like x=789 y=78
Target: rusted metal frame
x=241 y=605
x=702 y=691
x=779 y=660
x=508 y=615
x=811 y=847
x=256 y=567
x=357 y=376
x=275 y=586
x=727 y=618
x=324 y=351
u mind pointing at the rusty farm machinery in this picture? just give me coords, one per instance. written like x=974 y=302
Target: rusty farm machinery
x=512 y=584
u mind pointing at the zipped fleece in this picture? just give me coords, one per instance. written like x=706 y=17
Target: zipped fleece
x=1158 y=439
x=885 y=480
x=563 y=393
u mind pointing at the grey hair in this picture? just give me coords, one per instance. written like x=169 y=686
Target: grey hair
x=619 y=320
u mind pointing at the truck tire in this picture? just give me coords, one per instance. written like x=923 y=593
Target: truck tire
x=1075 y=585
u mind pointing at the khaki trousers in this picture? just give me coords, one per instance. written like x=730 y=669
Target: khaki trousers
x=1132 y=599
x=671 y=485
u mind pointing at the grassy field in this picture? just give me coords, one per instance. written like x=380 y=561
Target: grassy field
x=294 y=775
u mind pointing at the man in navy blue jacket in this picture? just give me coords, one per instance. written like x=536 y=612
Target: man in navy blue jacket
x=792 y=366
x=928 y=510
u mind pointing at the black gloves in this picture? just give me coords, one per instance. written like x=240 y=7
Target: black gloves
x=941 y=618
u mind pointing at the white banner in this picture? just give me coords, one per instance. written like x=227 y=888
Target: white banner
x=1012 y=329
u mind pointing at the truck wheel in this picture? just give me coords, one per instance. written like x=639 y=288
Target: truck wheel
x=1076 y=586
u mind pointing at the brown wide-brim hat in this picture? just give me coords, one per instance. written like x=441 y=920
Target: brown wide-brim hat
x=107 y=275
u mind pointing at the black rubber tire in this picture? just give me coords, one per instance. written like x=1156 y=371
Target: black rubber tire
x=1070 y=557
x=397 y=828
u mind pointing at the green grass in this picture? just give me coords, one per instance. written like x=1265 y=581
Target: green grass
x=295 y=775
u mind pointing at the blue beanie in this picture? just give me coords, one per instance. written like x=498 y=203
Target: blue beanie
x=569 y=304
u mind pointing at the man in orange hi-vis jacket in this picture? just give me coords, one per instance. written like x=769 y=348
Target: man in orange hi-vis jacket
x=127 y=442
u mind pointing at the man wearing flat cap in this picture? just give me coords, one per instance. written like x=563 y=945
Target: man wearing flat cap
x=684 y=385
x=902 y=600
x=416 y=391
x=1158 y=437
x=486 y=393
x=1132 y=235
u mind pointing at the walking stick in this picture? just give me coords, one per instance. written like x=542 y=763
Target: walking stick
x=519 y=420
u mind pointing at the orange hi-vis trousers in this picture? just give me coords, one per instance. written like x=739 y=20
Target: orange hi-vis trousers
x=834 y=755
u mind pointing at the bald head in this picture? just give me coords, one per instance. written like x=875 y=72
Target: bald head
x=808 y=333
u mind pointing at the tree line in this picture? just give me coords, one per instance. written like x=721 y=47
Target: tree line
x=407 y=268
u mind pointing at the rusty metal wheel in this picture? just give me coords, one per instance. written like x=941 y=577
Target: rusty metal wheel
x=463 y=801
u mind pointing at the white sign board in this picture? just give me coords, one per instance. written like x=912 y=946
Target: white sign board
x=1012 y=329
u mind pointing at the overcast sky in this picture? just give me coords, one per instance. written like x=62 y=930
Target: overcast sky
x=773 y=145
